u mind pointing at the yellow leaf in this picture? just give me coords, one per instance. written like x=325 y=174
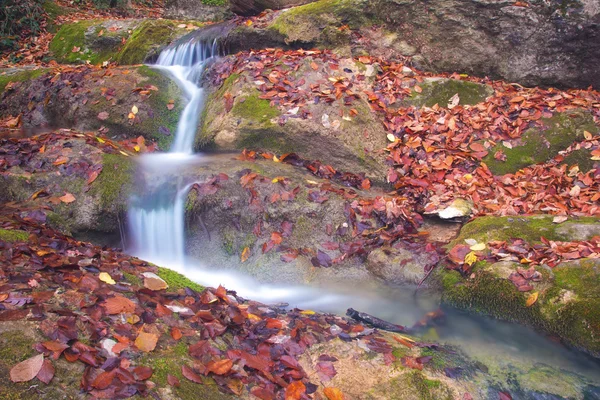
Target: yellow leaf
x=245 y=254
x=100 y=140
x=131 y=116
x=478 y=247
x=532 y=299
x=133 y=319
x=333 y=393
x=587 y=135
x=134 y=109
x=105 y=277
x=470 y=258
x=254 y=317
x=146 y=341
x=122 y=152
x=468 y=177
x=391 y=137
x=307 y=312
x=136 y=147
x=275 y=158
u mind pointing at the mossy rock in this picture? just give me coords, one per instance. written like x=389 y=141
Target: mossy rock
x=96 y=41
x=321 y=23
x=529 y=228
x=441 y=91
x=568 y=303
x=53 y=10
x=19 y=75
x=177 y=281
x=541 y=144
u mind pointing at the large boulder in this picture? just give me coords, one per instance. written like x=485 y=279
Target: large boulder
x=90 y=99
x=533 y=43
x=254 y=7
x=317 y=123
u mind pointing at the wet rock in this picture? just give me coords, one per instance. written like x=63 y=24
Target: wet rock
x=400 y=266
x=88 y=99
x=255 y=7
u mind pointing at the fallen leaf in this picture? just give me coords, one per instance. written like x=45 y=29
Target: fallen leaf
x=559 y=219
x=295 y=390
x=333 y=393
x=118 y=304
x=245 y=254
x=103 y=115
x=27 y=370
x=46 y=373
x=154 y=282
x=146 y=341
x=532 y=299
x=105 y=277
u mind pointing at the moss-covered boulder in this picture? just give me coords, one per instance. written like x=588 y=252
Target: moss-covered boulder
x=10 y=76
x=198 y=10
x=540 y=144
x=568 y=295
x=122 y=41
x=347 y=136
x=90 y=99
x=97 y=185
x=442 y=91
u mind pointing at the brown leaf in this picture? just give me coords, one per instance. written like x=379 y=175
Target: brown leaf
x=146 y=341
x=46 y=372
x=119 y=304
x=103 y=116
x=142 y=373
x=220 y=367
x=154 y=282
x=295 y=390
x=27 y=370
x=190 y=374
x=176 y=333
x=333 y=393
x=173 y=380
x=67 y=198
x=228 y=101
x=104 y=380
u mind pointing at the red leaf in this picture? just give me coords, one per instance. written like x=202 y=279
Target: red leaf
x=173 y=380
x=142 y=373
x=46 y=372
x=295 y=390
x=190 y=374
x=104 y=380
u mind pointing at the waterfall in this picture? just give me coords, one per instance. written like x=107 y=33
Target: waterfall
x=156 y=215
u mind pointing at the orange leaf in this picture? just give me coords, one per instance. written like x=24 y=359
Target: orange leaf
x=176 y=333
x=295 y=390
x=146 y=341
x=119 y=304
x=220 y=367
x=333 y=393
x=67 y=198
x=532 y=299
x=245 y=254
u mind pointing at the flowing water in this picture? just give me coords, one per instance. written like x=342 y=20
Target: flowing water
x=157 y=233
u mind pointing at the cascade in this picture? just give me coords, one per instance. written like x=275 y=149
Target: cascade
x=156 y=215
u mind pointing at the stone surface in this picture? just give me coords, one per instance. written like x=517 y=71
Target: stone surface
x=254 y=7
x=400 y=266
x=76 y=99
x=195 y=10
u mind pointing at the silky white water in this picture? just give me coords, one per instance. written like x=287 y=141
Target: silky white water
x=156 y=222
x=156 y=216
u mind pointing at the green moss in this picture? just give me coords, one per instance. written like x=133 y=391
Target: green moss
x=228 y=243
x=133 y=279
x=217 y=3
x=414 y=385
x=114 y=183
x=542 y=144
x=254 y=108
x=319 y=22
x=582 y=158
x=10 y=235
x=177 y=281
x=440 y=92
x=21 y=76
x=54 y=11
x=14 y=348
x=150 y=35
x=266 y=139
x=169 y=362
x=163 y=117
x=69 y=37
x=530 y=228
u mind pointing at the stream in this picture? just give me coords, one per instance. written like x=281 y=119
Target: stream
x=156 y=222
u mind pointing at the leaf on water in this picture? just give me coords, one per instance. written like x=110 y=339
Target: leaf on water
x=245 y=254
x=27 y=370
x=333 y=393
x=532 y=299
x=295 y=390
x=146 y=341
x=105 y=277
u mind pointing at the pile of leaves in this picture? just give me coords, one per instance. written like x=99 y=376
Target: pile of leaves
x=121 y=320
